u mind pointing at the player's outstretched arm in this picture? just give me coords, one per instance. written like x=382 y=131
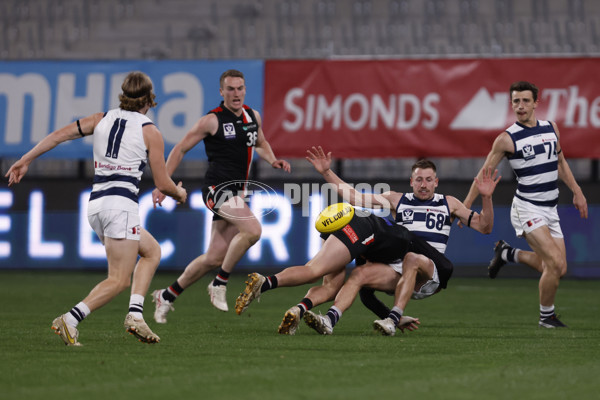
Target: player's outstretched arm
x=502 y=145
x=322 y=163
x=156 y=159
x=74 y=130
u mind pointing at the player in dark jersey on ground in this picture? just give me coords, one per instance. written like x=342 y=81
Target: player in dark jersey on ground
x=366 y=235
x=231 y=133
x=429 y=215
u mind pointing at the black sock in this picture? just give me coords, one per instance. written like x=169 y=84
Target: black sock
x=222 y=278
x=172 y=292
x=305 y=305
x=368 y=298
x=270 y=283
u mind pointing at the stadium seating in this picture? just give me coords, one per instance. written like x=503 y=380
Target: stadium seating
x=221 y=29
x=293 y=29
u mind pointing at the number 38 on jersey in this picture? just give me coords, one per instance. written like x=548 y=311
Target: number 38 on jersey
x=252 y=137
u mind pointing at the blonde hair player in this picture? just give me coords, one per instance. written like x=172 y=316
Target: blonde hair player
x=125 y=139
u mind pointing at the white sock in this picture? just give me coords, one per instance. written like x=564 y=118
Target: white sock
x=77 y=314
x=136 y=305
x=334 y=314
x=516 y=255
x=546 y=311
x=398 y=310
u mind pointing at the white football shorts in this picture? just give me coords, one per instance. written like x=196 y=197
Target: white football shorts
x=116 y=224
x=526 y=217
x=429 y=288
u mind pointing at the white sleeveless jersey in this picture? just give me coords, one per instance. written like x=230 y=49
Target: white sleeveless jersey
x=120 y=156
x=429 y=219
x=535 y=163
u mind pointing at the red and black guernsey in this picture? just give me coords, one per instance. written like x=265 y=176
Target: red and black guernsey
x=230 y=150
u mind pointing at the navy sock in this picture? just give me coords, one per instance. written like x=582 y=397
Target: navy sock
x=395 y=315
x=333 y=316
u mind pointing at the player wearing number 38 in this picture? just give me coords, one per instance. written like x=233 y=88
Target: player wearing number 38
x=125 y=140
x=230 y=133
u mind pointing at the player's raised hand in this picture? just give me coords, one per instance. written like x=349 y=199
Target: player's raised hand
x=318 y=158
x=487 y=184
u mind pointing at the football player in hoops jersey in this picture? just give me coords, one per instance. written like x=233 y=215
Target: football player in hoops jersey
x=365 y=235
x=124 y=141
x=533 y=150
x=428 y=215
x=231 y=133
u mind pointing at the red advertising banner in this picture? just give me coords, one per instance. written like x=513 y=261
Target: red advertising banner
x=423 y=108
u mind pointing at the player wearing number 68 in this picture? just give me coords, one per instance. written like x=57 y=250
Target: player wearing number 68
x=427 y=214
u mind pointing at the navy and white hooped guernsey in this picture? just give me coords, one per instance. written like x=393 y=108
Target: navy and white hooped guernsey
x=429 y=219
x=535 y=163
x=120 y=155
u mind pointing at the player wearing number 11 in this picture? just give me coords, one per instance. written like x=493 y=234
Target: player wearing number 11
x=125 y=140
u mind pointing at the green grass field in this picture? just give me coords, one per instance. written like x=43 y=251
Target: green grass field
x=478 y=340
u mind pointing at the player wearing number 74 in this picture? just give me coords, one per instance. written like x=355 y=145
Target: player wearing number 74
x=125 y=140
x=533 y=150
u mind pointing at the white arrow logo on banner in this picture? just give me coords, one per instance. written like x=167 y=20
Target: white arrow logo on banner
x=483 y=112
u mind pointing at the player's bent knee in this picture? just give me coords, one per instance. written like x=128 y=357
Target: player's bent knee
x=558 y=266
x=125 y=285
x=254 y=238
x=563 y=273
x=214 y=263
x=563 y=269
x=252 y=234
x=359 y=275
x=120 y=285
x=155 y=252
x=312 y=275
x=255 y=234
x=153 y=256
x=413 y=261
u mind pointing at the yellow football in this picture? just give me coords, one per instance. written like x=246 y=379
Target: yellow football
x=334 y=217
